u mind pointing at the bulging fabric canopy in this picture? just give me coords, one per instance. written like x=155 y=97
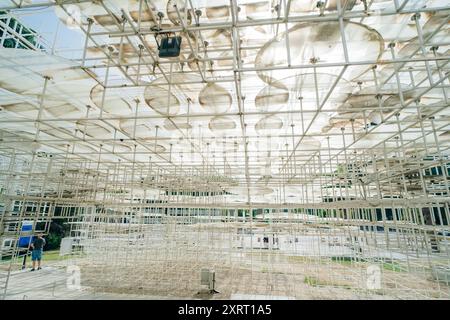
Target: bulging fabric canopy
x=250 y=74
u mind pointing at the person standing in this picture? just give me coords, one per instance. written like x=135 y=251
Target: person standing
x=36 y=254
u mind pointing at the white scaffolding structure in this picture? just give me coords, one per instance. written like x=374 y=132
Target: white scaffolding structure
x=293 y=147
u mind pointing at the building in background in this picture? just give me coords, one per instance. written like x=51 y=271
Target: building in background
x=13 y=34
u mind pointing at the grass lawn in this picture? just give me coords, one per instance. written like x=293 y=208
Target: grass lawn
x=314 y=282
x=52 y=255
x=394 y=266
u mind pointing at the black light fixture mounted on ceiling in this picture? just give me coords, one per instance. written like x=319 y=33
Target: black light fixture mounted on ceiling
x=169 y=45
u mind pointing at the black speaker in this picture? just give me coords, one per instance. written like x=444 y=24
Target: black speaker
x=170 y=47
